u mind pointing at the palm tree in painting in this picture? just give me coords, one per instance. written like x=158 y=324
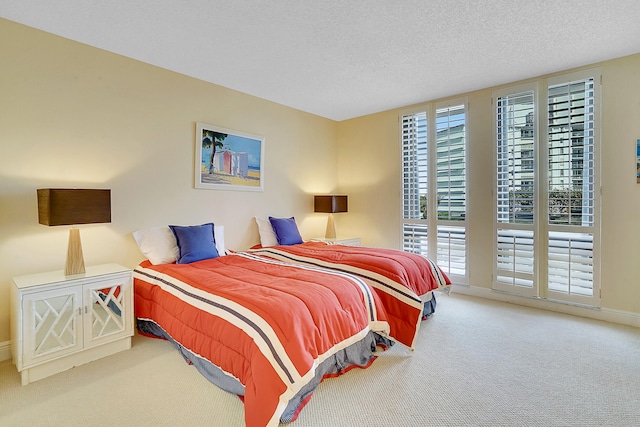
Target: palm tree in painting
x=214 y=140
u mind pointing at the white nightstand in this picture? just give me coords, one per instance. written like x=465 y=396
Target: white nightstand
x=58 y=321
x=349 y=241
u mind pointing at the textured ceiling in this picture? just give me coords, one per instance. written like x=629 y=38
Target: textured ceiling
x=344 y=59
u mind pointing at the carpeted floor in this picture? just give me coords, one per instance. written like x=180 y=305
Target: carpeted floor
x=477 y=363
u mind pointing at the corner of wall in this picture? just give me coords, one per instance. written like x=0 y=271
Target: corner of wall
x=5 y=351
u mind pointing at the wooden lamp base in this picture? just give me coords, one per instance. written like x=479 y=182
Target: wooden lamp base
x=331 y=228
x=75 y=260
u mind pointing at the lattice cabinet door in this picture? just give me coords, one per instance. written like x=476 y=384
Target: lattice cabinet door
x=106 y=311
x=52 y=324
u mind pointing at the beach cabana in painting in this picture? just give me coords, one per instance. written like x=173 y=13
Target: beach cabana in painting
x=228 y=159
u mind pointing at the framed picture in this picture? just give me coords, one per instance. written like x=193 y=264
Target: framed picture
x=228 y=159
x=637 y=161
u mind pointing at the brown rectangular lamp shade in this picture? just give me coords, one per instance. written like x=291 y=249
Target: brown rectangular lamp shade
x=67 y=206
x=71 y=206
x=330 y=204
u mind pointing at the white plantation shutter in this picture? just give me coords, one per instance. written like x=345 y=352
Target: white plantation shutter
x=571 y=153
x=451 y=162
x=571 y=191
x=571 y=263
x=451 y=188
x=516 y=209
x=515 y=257
x=415 y=239
x=516 y=158
x=414 y=182
x=452 y=249
x=414 y=164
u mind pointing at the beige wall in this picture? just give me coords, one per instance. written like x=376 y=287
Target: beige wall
x=76 y=116
x=369 y=168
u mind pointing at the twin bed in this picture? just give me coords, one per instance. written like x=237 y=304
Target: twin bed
x=270 y=323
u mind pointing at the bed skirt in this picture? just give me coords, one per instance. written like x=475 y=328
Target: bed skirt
x=358 y=355
x=429 y=307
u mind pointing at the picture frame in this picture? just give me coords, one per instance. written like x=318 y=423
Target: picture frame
x=228 y=159
x=637 y=161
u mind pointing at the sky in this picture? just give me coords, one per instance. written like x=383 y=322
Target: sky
x=241 y=144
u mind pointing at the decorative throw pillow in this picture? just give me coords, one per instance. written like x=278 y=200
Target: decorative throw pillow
x=286 y=230
x=195 y=242
x=267 y=235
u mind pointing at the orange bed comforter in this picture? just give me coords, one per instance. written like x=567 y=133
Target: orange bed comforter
x=266 y=323
x=402 y=280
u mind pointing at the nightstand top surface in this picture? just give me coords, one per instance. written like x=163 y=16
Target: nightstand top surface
x=49 y=277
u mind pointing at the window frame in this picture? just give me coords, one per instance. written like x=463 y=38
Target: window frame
x=594 y=300
x=541 y=227
x=432 y=222
x=535 y=227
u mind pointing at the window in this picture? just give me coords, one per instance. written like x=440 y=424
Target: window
x=546 y=234
x=516 y=201
x=434 y=185
x=571 y=141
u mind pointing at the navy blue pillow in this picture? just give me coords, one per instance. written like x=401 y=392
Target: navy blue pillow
x=195 y=242
x=286 y=230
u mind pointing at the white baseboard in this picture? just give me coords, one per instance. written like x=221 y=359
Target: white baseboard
x=605 y=314
x=5 y=351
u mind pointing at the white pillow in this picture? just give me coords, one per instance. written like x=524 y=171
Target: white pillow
x=218 y=234
x=267 y=235
x=159 y=245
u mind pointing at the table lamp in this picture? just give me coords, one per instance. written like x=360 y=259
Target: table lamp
x=66 y=206
x=330 y=204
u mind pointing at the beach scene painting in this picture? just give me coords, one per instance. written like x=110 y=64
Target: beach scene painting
x=637 y=161
x=228 y=159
